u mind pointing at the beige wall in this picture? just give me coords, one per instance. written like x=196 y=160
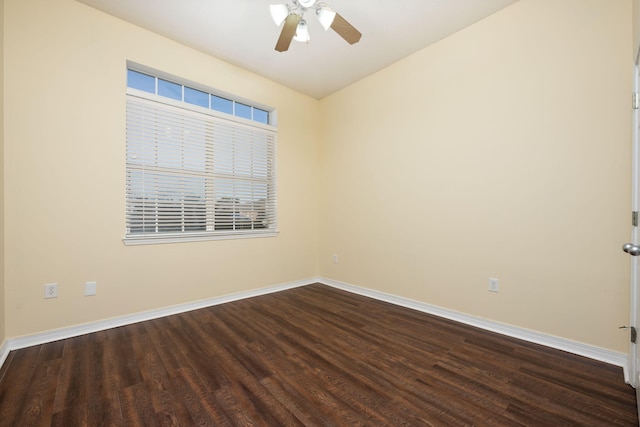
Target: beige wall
x=2 y=288
x=636 y=26
x=64 y=176
x=501 y=151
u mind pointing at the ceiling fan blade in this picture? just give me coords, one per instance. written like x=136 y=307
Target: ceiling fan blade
x=288 y=31
x=345 y=30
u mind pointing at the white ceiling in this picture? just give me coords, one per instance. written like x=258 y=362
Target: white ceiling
x=241 y=32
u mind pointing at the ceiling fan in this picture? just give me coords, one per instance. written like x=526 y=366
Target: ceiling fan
x=295 y=26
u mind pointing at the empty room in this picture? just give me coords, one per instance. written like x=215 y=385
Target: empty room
x=270 y=212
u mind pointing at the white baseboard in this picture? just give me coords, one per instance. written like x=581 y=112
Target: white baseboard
x=592 y=352
x=4 y=352
x=607 y=356
x=101 y=325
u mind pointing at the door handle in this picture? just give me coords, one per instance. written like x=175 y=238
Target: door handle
x=631 y=249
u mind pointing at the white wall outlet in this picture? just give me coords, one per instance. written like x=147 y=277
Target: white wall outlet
x=90 y=289
x=334 y=258
x=51 y=290
x=493 y=285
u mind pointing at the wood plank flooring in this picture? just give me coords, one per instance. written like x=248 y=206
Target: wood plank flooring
x=310 y=356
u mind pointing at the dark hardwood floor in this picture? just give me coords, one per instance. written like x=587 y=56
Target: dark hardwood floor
x=307 y=356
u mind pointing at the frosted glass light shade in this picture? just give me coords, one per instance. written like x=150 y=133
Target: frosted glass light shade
x=325 y=16
x=302 y=32
x=279 y=13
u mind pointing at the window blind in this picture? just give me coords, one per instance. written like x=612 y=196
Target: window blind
x=193 y=174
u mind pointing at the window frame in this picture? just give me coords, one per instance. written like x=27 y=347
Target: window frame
x=211 y=203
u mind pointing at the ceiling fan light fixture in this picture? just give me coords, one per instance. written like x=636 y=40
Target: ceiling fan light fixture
x=294 y=27
x=279 y=13
x=302 y=32
x=326 y=16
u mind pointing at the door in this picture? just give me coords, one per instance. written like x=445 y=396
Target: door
x=635 y=262
x=633 y=248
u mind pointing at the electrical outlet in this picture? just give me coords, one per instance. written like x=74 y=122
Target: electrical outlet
x=493 y=285
x=335 y=258
x=51 y=290
x=90 y=289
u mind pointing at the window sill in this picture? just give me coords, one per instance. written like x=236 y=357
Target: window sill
x=167 y=238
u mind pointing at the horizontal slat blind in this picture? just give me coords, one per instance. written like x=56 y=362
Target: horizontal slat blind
x=194 y=174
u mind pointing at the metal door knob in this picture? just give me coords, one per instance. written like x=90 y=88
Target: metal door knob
x=631 y=249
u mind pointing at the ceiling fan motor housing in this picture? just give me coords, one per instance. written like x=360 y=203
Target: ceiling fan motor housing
x=307 y=3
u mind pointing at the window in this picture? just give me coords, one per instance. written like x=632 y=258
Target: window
x=172 y=90
x=198 y=165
